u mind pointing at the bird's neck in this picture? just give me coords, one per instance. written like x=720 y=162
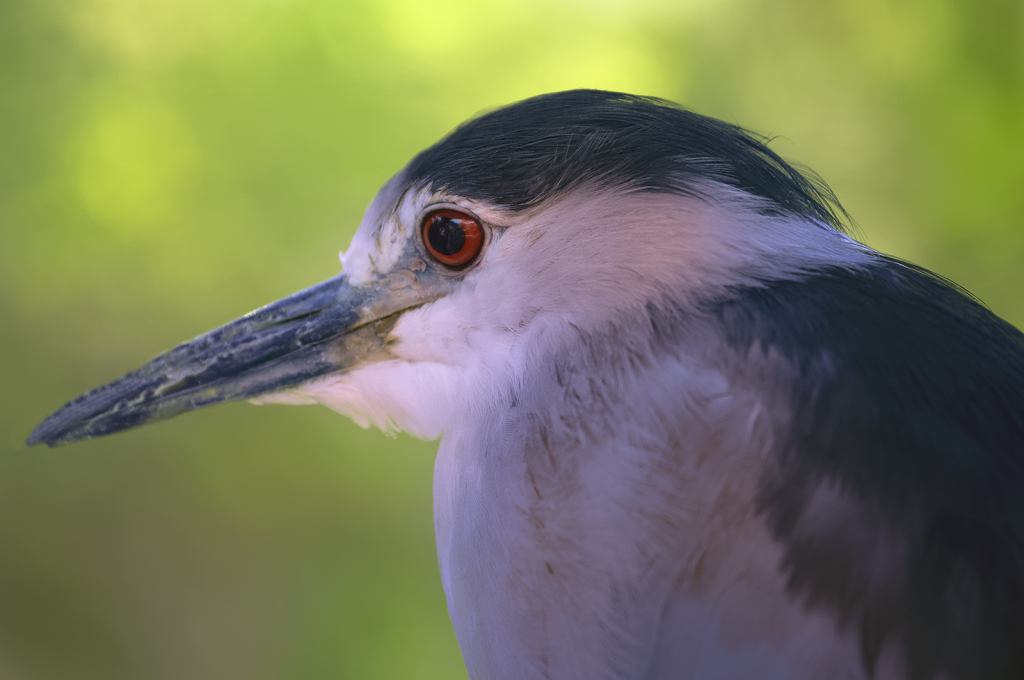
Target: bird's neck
x=565 y=524
x=601 y=510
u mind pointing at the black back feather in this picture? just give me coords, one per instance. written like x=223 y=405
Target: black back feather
x=909 y=400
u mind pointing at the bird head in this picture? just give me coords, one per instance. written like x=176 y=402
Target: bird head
x=525 y=226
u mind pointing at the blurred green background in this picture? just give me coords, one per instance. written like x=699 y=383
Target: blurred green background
x=167 y=165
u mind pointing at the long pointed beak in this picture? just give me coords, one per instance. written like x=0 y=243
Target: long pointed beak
x=331 y=327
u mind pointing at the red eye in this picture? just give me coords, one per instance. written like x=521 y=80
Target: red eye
x=453 y=238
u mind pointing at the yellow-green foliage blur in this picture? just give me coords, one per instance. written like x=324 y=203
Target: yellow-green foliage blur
x=167 y=165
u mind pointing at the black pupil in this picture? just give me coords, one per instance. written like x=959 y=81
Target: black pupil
x=446 y=235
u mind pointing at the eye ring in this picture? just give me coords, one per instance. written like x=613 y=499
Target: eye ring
x=451 y=237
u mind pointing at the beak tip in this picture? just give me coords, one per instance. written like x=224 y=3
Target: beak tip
x=57 y=429
x=37 y=437
x=44 y=433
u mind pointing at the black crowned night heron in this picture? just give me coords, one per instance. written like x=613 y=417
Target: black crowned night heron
x=689 y=428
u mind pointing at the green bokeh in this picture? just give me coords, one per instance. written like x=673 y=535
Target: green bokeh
x=166 y=165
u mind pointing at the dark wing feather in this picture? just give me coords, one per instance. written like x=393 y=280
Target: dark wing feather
x=908 y=405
